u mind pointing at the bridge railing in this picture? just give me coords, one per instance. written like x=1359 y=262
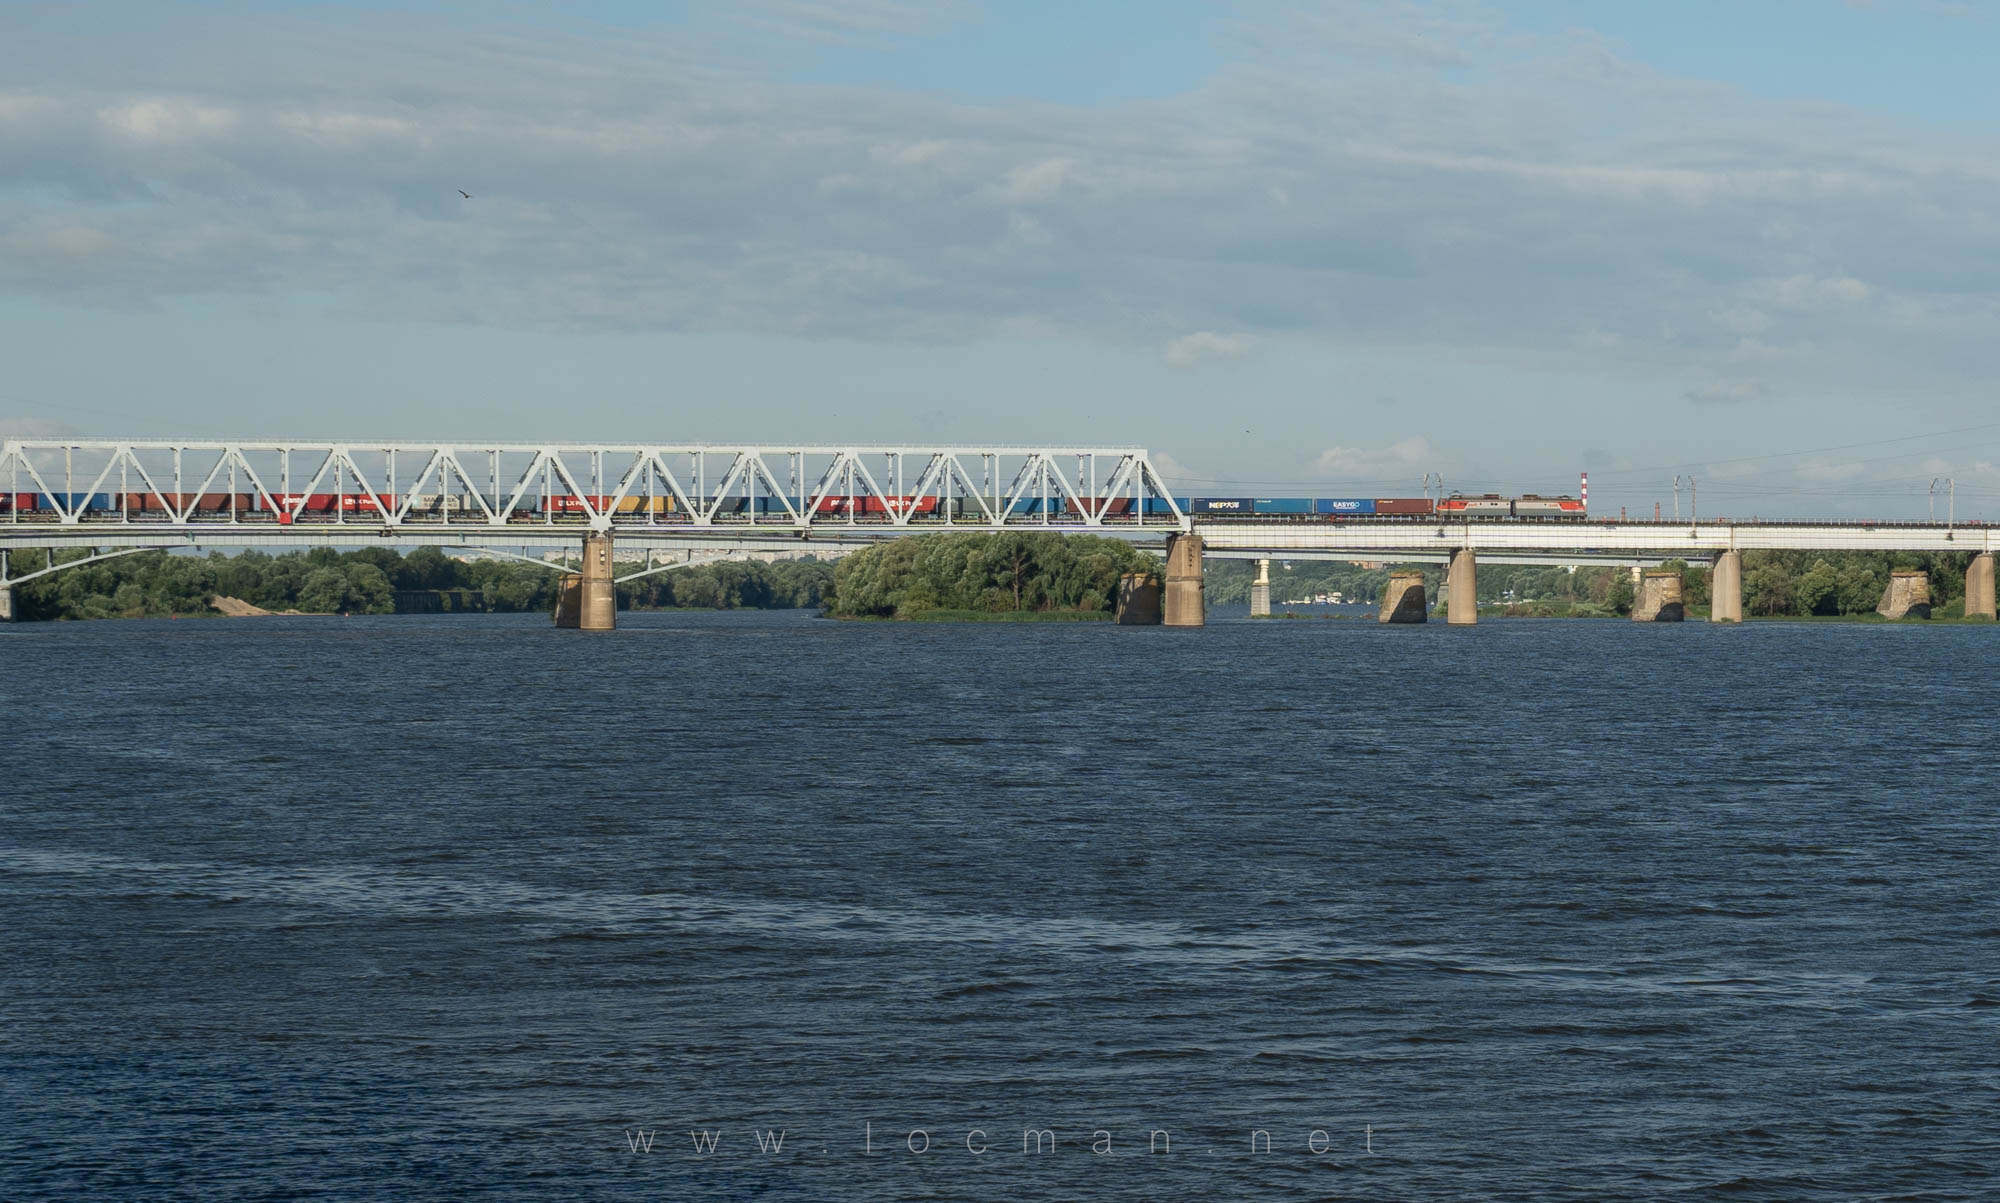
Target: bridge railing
x=192 y=483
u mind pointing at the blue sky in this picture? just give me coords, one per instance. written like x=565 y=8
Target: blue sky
x=1931 y=62
x=1319 y=247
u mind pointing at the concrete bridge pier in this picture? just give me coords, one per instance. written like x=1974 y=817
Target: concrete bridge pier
x=600 y=595
x=1260 y=591
x=588 y=601
x=6 y=604
x=1725 y=588
x=1979 y=586
x=1908 y=595
x=1461 y=584
x=1404 y=600
x=1659 y=598
x=1181 y=601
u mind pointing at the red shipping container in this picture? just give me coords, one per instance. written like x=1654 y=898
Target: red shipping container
x=1403 y=505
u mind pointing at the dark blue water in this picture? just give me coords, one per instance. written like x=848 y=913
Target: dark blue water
x=455 y=907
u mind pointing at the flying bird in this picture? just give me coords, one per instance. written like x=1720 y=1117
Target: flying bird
x=467 y=195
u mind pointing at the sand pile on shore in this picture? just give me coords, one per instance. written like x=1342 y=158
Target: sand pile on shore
x=236 y=607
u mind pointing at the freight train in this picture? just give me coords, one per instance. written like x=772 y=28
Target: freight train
x=1485 y=506
x=332 y=507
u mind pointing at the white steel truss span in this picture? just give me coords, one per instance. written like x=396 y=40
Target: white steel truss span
x=192 y=485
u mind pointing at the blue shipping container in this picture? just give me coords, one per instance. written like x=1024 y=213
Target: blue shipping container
x=75 y=501
x=1284 y=505
x=1345 y=505
x=1223 y=505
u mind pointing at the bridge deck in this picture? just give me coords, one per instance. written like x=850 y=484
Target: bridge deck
x=1386 y=541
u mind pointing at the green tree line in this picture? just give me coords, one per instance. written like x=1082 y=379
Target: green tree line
x=1011 y=572
x=991 y=573
x=1807 y=583
x=323 y=581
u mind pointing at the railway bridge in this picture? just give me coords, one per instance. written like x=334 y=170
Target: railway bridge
x=116 y=496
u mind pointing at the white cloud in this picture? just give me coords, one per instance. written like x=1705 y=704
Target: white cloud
x=1821 y=472
x=54 y=241
x=166 y=118
x=914 y=152
x=854 y=22
x=1191 y=349
x=1738 y=470
x=1176 y=474
x=1743 y=319
x=1729 y=392
x=1036 y=183
x=1397 y=458
x=35 y=428
x=1812 y=292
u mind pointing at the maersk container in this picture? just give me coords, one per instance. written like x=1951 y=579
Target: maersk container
x=1344 y=505
x=1223 y=505
x=1282 y=505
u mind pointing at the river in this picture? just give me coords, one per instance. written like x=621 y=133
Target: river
x=464 y=906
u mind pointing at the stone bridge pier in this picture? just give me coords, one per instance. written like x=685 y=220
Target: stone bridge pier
x=1138 y=600
x=1404 y=600
x=1659 y=597
x=1907 y=596
x=1260 y=591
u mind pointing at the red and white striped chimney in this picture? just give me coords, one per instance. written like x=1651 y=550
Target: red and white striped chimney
x=1583 y=490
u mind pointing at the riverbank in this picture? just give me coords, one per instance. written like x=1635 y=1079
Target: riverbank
x=378 y=580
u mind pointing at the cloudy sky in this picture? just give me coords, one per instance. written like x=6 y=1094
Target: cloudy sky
x=1291 y=247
